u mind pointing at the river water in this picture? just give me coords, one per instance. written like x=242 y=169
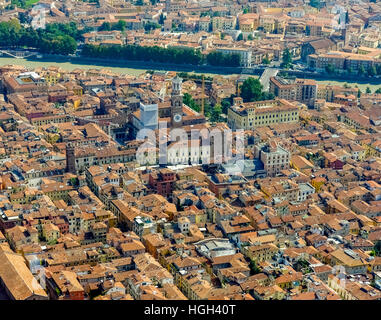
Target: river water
x=67 y=65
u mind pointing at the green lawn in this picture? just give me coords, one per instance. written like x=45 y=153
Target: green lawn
x=24 y=4
x=30 y=3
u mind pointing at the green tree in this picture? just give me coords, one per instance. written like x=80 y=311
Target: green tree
x=368 y=91
x=240 y=37
x=225 y=104
x=372 y=71
x=377 y=248
x=216 y=58
x=378 y=69
x=23 y=4
x=361 y=70
x=120 y=25
x=267 y=96
x=266 y=59
x=330 y=69
x=151 y=26
x=133 y=52
x=250 y=37
x=161 y=18
x=106 y=26
x=205 y=13
x=57 y=38
x=251 y=90
x=207 y=109
x=286 y=59
x=302 y=265
x=188 y=100
x=23 y=17
x=315 y=4
x=67 y=45
x=378 y=91
x=216 y=113
x=74 y=182
x=254 y=269
x=358 y=93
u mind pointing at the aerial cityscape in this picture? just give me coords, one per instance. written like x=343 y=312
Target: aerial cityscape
x=190 y=150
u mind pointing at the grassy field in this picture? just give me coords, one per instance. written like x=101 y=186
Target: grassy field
x=29 y=3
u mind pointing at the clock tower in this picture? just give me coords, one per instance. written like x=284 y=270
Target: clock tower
x=176 y=103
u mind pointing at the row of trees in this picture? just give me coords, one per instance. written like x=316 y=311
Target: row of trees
x=55 y=38
x=132 y=52
x=107 y=26
x=58 y=38
x=121 y=25
x=159 y=54
x=371 y=71
x=369 y=91
x=216 y=58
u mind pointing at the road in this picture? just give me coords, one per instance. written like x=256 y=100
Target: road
x=265 y=77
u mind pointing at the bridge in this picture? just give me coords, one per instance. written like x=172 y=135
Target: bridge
x=18 y=54
x=265 y=77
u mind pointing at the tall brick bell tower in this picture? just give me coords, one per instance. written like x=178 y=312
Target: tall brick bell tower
x=70 y=158
x=176 y=103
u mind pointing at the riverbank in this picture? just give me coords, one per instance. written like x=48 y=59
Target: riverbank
x=150 y=65
x=136 y=68
x=69 y=66
x=145 y=65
